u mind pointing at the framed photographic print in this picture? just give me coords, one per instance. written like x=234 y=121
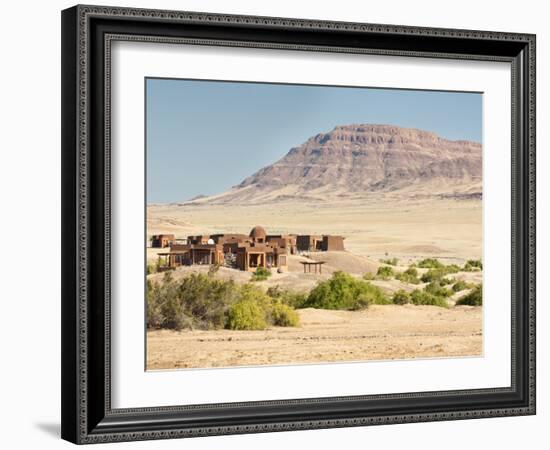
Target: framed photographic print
x=279 y=224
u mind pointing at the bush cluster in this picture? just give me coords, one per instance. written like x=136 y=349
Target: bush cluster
x=391 y=262
x=384 y=273
x=246 y=315
x=430 y=263
x=293 y=299
x=439 y=273
x=436 y=288
x=432 y=275
x=422 y=297
x=473 y=265
x=202 y=302
x=401 y=297
x=342 y=291
x=474 y=298
x=154 y=267
x=460 y=285
x=284 y=316
x=446 y=281
x=408 y=276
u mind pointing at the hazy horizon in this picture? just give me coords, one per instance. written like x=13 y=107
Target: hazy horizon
x=196 y=130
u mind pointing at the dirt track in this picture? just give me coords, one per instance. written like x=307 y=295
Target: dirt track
x=381 y=332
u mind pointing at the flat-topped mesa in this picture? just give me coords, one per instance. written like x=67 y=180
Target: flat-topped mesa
x=359 y=158
x=377 y=134
x=352 y=158
x=381 y=134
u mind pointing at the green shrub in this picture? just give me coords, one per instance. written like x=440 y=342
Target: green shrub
x=369 y=276
x=261 y=274
x=151 y=268
x=384 y=273
x=174 y=317
x=432 y=275
x=363 y=302
x=437 y=289
x=342 y=291
x=207 y=299
x=430 y=263
x=460 y=285
x=154 y=316
x=256 y=310
x=199 y=301
x=446 y=281
x=408 y=276
x=391 y=262
x=421 y=297
x=163 y=306
x=196 y=301
x=474 y=298
x=288 y=297
x=371 y=295
x=159 y=265
x=452 y=268
x=473 y=265
x=438 y=274
x=255 y=293
x=401 y=297
x=246 y=315
x=284 y=316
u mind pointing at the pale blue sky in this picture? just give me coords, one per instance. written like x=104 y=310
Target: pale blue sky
x=205 y=136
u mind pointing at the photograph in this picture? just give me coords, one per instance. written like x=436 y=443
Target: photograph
x=311 y=224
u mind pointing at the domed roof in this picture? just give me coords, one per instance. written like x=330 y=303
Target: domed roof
x=258 y=232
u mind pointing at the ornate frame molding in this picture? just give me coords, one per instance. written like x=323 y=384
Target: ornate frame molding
x=84 y=421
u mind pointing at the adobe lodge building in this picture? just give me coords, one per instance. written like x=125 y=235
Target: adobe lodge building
x=243 y=252
x=162 y=240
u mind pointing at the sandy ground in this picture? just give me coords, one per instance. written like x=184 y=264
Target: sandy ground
x=377 y=226
x=379 y=333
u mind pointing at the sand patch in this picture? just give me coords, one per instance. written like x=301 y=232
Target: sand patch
x=381 y=332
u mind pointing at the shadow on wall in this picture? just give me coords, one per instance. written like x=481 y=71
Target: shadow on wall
x=53 y=429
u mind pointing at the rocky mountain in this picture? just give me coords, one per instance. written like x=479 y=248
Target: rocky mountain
x=352 y=160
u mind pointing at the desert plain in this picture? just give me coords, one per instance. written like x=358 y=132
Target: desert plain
x=376 y=227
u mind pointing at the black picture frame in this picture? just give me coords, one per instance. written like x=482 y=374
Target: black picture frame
x=87 y=415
